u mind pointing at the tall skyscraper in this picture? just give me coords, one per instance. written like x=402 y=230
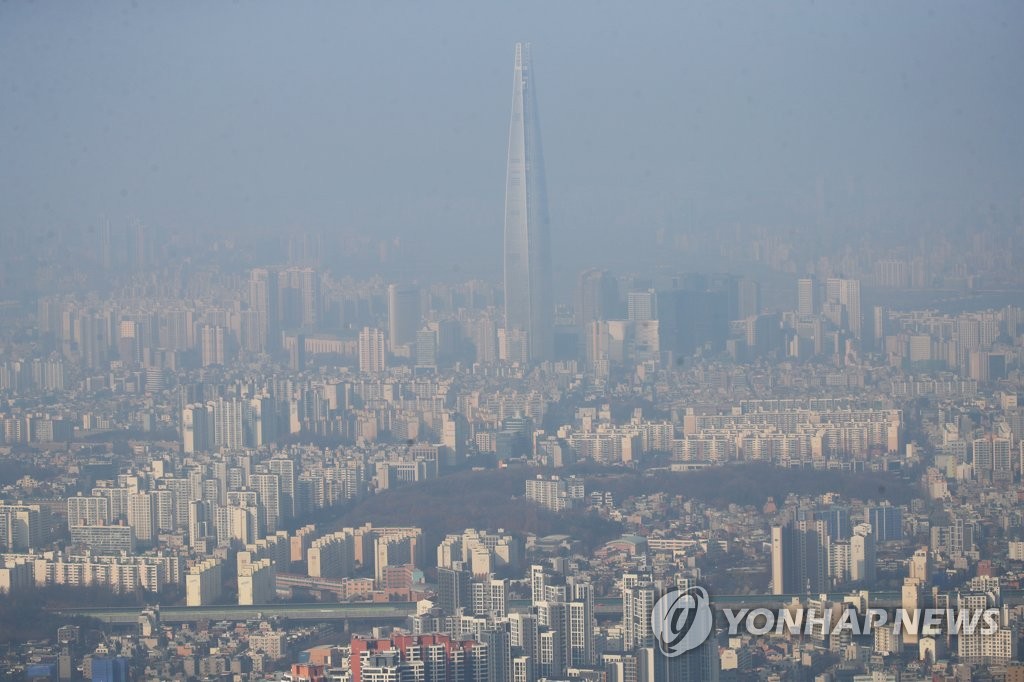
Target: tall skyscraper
x=404 y=314
x=528 y=300
x=692 y=319
x=642 y=305
x=806 y=304
x=846 y=292
x=748 y=298
x=597 y=297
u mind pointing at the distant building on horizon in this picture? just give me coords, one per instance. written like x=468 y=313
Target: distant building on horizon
x=404 y=315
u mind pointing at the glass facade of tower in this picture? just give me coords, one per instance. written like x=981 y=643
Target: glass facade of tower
x=528 y=302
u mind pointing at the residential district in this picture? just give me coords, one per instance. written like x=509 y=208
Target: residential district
x=284 y=476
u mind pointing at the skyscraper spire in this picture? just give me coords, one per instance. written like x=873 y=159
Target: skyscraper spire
x=528 y=300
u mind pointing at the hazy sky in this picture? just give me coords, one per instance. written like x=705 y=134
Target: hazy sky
x=391 y=118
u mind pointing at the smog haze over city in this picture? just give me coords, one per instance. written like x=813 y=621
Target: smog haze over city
x=483 y=342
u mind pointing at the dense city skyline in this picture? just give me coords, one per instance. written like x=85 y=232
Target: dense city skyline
x=296 y=386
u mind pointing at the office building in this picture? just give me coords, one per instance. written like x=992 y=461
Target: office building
x=886 y=522
x=116 y=669
x=426 y=349
x=845 y=293
x=404 y=315
x=642 y=305
x=806 y=297
x=529 y=307
x=692 y=320
x=597 y=297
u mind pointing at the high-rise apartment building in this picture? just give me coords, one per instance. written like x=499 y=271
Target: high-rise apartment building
x=800 y=557
x=259 y=421
x=212 y=345
x=21 y=527
x=196 y=429
x=88 y=511
x=204 y=582
x=639 y=595
x=268 y=492
x=331 y=556
x=142 y=517
x=256 y=582
x=263 y=300
x=286 y=475
x=372 y=350
x=454 y=589
x=556 y=494
x=227 y=422
x=431 y=658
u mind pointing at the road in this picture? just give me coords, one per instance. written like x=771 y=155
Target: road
x=394 y=611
